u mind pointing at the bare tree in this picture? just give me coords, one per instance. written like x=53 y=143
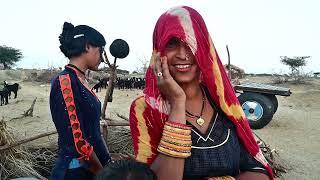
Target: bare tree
x=144 y=61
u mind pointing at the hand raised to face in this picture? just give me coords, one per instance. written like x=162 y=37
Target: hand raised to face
x=166 y=84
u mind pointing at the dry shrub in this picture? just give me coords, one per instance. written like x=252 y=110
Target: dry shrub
x=276 y=162
x=46 y=76
x=44 y=158
x=33 y=76
x=119 y=140
x=15 y=161
x=279 y=79
x=13 y=74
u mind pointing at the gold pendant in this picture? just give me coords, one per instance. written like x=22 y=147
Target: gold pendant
x=200 y=121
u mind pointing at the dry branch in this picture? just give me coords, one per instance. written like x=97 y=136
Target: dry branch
x=17 y=143
x=122 y=117
x=273 y=158
x=15 y=161
x=29 y=112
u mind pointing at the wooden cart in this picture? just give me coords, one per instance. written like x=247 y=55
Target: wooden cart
x=259 y=102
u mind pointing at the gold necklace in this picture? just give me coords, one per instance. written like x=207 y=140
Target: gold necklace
x=200 y=121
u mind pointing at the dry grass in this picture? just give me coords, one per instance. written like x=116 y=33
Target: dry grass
x=276 y=162
x=17 y=161
x=119 y=140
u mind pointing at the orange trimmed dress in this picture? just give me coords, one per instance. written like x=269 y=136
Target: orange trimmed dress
x=75 y=111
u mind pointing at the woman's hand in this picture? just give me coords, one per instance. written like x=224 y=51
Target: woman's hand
x=167 y=85
x=170 y=89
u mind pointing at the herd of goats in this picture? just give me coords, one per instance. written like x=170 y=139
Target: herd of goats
x=121 y=83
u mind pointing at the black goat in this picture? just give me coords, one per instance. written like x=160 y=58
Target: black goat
x=4 y=94
x=12 y=88
x=98 y=86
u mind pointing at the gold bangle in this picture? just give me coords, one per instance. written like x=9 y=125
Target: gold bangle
x=177 y=130
x=175 y=147
x=173 y=153
x=178 y=125
x=177 y=136
x=176 y=141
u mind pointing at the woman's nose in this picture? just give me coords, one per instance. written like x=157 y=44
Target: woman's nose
x=182 y=52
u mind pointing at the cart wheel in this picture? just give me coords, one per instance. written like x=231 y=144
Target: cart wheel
x=274 y=101
x=258 y=109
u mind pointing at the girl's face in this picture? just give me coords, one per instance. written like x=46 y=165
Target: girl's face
x=181 y=61
x=93 y=57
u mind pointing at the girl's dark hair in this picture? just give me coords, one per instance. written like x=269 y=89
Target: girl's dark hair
x=126 y=170
x=73 y=40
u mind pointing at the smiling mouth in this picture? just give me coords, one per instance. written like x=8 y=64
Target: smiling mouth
x=182 y=66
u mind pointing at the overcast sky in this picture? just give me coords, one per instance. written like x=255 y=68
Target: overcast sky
x=257 y=32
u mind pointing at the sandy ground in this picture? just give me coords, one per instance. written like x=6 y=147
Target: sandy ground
x=293 y=132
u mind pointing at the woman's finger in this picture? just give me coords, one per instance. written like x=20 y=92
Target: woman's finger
x=153 y=60
x=165 y=68
x=158 y=69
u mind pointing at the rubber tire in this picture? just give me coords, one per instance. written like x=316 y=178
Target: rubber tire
x=266 y=104
x=274 y=100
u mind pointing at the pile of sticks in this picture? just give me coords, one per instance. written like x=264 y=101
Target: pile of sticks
x=15 y=161
x=277 y=164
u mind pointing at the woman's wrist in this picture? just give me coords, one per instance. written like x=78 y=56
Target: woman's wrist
x=178 y=103
x=177 y=114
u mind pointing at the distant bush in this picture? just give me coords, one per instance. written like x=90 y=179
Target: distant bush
x=46 y=76
x=279 y=79
x=301 y=77
x=298 y=78
x=12 y=75
x=43 y=76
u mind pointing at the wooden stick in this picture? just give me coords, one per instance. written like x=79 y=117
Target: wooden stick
x=112 y=123
x=110 y=87
x=29 y=112
x=8 y=146
x=106 y=59
x=229 y=64
x=122 y=117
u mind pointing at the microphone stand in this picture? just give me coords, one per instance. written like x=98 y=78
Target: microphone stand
x=108 y=96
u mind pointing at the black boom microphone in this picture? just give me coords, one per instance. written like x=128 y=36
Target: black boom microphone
x=119 y=49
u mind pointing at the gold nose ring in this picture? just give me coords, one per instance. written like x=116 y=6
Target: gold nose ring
x=187 y=57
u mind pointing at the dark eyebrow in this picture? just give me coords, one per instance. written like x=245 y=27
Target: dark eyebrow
x=173 y=41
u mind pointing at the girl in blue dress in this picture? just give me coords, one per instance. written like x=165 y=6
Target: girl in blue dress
x=76 y=109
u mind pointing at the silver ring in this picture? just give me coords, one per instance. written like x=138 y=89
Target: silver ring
x=159 y=74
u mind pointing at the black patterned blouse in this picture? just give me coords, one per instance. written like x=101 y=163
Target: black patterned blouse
x=218 y=152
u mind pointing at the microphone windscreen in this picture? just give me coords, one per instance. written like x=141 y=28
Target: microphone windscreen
x=119 y=48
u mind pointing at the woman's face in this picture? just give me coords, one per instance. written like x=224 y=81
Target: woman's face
x=181 y=61
x=94 y=55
